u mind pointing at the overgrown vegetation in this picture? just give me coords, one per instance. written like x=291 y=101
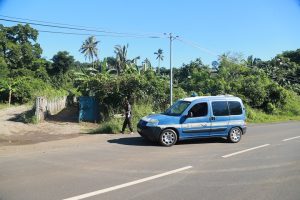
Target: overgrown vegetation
x=270 y=89
x=24 y=75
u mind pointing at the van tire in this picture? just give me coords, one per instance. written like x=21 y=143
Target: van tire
x=235 y=135
x=168 y=137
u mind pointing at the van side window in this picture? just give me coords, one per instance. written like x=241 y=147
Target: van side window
x=220 y=108
x=235 y=108
x=199 y=110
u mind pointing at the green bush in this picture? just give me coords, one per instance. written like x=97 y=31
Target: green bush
x=111 y=126
x=292 y=106
x=289 y=111
x=271 y=108
x=27 y=89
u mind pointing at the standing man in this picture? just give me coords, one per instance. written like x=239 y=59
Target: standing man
x=127 y=120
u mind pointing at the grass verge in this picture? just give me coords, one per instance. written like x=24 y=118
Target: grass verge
x=3 y=105
x=256 y=116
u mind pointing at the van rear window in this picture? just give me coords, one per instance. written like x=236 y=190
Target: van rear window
x=220 y=108
x=235 y=108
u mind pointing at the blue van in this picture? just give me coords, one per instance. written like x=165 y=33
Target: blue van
x=196 y=117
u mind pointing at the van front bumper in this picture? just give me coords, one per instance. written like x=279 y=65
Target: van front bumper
x=151 y=133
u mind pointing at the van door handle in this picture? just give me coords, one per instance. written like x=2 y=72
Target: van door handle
x=212 y=118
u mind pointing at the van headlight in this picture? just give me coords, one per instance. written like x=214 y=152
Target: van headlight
x=152 y=122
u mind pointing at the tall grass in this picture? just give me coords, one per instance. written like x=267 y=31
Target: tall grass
x=290 y=111
x=258 y=116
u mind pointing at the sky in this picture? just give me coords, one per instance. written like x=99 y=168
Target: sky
x=206 y=28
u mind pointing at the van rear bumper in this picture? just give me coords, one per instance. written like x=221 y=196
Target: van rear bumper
x=244 y=129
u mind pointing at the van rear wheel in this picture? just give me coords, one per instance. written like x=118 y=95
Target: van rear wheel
x=168 y=137
x=235 y=135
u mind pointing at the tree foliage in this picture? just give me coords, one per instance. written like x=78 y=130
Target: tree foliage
x=62 y=62
x=89 y=48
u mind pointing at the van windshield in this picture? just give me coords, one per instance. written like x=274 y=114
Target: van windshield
x=177 y=108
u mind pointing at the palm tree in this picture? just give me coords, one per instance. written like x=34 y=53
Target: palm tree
x=135 y=60
x=251 y=61
x=159 y=57
x=89 y=48
x=121 y=56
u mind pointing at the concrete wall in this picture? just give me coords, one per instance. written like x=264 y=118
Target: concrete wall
x=44 y=107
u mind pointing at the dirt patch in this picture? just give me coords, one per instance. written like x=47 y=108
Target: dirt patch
x=32 y=138
x=57 y=128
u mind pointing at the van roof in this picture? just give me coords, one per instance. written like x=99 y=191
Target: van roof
x=219 y=97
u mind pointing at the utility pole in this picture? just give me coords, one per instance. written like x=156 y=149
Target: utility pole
x=171 y=38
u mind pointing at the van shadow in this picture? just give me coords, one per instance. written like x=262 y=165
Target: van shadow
x=202 y=141
x=139 y=141
x=133 y=141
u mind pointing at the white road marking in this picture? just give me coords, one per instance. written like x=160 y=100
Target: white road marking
x=291 y=138
x=83 y=196
x=246 y=150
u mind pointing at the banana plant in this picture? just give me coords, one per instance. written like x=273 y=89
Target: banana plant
x=9 y=85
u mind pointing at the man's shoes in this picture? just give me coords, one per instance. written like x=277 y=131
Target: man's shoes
x=122 y=132
x=131 y=133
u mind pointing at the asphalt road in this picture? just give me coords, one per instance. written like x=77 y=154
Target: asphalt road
x=264 y=165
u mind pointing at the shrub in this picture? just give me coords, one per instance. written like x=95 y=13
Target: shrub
x=271 y=108
x=28 y=88
x=292 y=106
x=112 y=126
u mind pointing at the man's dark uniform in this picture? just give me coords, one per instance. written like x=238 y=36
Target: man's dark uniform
x=127 y=119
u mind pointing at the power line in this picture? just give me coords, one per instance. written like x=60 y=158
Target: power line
x=106 y=34
x=97 y=30
x=71 y=27
x=102 y=35
x=48 y=22
x=193 y=44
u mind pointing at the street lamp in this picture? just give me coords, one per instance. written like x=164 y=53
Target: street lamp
x=171 y=38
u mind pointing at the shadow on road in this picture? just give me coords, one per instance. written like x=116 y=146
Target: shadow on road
x=133 y=141
x=22 y=117
x=202 y=141
x=139 y=141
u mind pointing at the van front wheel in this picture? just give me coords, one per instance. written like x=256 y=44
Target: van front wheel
x=235 y=135
x=168 y=137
